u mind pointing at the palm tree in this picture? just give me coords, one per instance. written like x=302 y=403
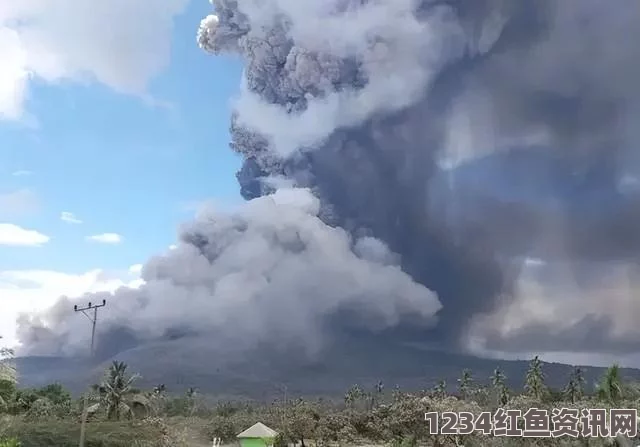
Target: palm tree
x=376 y=396
x=464 y=383
x=191 y=395
x=396 y=393
x=353 y=395
x=116 y=393
x=498 y=380
x=610 y=387
x=534 y=383
x=440 y=390
x=156 y=398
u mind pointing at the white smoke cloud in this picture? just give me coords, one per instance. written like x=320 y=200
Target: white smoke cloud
x=271 y=269
x=30 y=291
x=399 y=55
x=401 y=51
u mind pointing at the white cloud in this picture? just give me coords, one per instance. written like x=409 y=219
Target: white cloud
x=36 y=290
x=18 y=203
x=124 y=44
x=68 y=217
x=106 y=238
x=14 y=235
x=22 y=173
x=135 y=269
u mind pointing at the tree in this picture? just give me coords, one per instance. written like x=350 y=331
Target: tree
x=160 y=389
x=185 y=405
x=55 y=393
x=41 y=408
x=534 y=383
x=464 y=384
x=302 y=421
x=191 y=397
x=24 y=399
x=8 y=378
x=405 y=422
x=397 y=394
x=333 y=428
x=609 y=388
x=157 y=399
x=352 y=396
x=574 y=390
x=52 y=399
x=223 y=427
x=191 y=393
x=440 y=390
x=8 y=393
x=376 y=396
x=116 y=392
x=498 y=380
x=8 y=370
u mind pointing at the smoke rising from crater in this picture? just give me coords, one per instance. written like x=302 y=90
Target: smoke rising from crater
x=492 y=145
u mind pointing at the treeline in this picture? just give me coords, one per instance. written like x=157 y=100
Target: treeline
x=122 y=415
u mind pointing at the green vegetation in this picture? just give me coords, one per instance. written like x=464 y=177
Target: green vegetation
x=121 y=415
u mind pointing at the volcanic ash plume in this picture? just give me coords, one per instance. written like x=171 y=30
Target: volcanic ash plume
x=472 y=136
x=492 y=145
x=270 y=270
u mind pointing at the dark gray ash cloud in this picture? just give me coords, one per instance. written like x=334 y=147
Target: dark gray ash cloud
x=470 y=137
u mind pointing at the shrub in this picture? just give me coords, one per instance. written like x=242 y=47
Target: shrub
x=222 y=427
x=9 y=442
x=99 y=434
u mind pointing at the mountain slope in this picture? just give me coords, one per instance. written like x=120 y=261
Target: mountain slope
x=261 y=374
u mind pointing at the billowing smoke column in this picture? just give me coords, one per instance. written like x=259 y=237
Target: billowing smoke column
x=492 y=145
x=270 y=270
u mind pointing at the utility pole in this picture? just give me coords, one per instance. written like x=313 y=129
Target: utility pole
x=93 y=318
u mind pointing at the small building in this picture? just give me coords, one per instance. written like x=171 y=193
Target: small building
x=258 y=435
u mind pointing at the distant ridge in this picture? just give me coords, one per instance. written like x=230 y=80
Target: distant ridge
x=191 y=362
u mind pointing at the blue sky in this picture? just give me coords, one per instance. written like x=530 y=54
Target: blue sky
x=102 y=151
x=119 y=164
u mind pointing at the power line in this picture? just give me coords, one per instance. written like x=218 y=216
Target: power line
x=93 y=318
